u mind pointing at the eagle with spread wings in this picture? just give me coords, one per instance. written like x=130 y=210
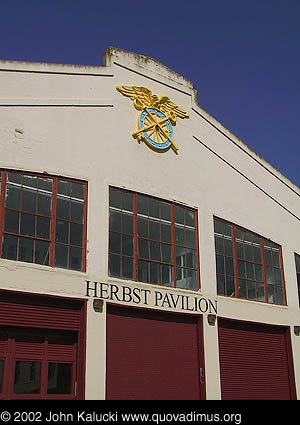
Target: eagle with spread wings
x=143 y=98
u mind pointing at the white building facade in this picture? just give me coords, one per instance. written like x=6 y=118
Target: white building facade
x=146 y=252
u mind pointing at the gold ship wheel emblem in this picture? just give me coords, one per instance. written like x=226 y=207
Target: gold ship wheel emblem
x=157 y=117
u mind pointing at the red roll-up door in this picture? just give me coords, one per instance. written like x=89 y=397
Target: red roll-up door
x=152 y=356
x=255 y=361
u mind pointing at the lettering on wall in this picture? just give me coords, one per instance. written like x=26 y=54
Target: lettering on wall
x=162 y=299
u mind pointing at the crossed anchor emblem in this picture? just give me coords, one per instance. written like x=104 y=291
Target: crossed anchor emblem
x=157 y=118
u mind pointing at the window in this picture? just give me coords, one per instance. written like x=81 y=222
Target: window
x=43 y=220
x=297 y=260
x=248 y=266
x=152 y=241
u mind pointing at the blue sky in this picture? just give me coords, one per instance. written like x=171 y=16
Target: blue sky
x=242 y=56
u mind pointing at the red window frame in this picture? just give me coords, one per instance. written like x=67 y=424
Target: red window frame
x=173 y=244
x=53 y=217
x=261 y=242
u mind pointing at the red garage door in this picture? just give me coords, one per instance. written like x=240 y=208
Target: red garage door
x=152 y=356
x=255 y=361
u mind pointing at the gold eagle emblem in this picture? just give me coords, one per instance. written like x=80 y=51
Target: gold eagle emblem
x=158 y=114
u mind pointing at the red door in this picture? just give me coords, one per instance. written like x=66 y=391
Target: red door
x=37 y=364
x=152 y=356
x=255 y=361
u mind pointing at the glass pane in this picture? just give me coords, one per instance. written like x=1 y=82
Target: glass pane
x=115 y=221
x=26 y=250
x=14 y=178
x=27 y=377
x=142 y=205
x=143 y=227
x=271 y=294
x=228 y=247
x=154 y=208
x=229 y=266
x=257 y=254
x=241 y=269
x=41 y=255
x=230 y=288
x=62 y=231
x=167 y=275
x=43 y=227
x=45 y=184
x=250 y=270
x=180 y=277
x=62 y=208
x=75 y=258
x=27 y=225
x=1 y=367
x=279 y=294
x=114 y=243
x=63 y=187
x=248 y=252
x=30 y=181
x=240 y=250
x=127 y=245
x=127 y=268
x=155 y=273
x=166 y=253
x=251 y=290
x=59 y=378
x=297 y=259
x=77 y=211
x=191 y=260
x=219 y=245
x=143 y=248
x=127 y=223
x=115 y=198
x=248 y=237
x=242 y=288
x=260 y=289
x=143 y=271
x=218 y=227
x=276 y=261
x=179 y=215
x=29 y=200
x=189 y=218
x=180 y=256
x=114 y=265
x=166 y=235
x=127 y=201
x=154 y=230
x=277 y=276
x=12 y=199
x=11 y=221
x=77 y=190
x=227 y=230
x=269 y=272
x=155 y=251
x=61 y=256
x=76 y=234
x=179 y=235
x=220 y=264
x=268 y=257
x=190 y=238
x=221 y=284
x=9 y=247
x=165 y=211
x=191 y=279
x=44 y=204
x=258 y=272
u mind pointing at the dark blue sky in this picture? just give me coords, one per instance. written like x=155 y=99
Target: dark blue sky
x=242 y=56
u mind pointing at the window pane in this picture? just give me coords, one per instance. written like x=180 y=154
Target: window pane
x=258 y=272
x=41 y=255
x=190 y=238
x=62 y=208
x=142 y=205
x=155 y=273
x=44 y=204
x=115 y=198
x=192 y=279
x=228 y=247
x=257 y=254
x=220 y=264
x=59 y=378
x=229 y=266
x=11 y=221
x=166 y=235
x=14 y=178
x=154 y=230
x=241 y=269
x=179 y=214
x=77 y=211
x=12 y=199
x=114 y=243
x=248 y=252
x=114 y=265
x=180 y=277
x=76 y=234
x=260 y=289
x=75 y=258
x=27 y=377
x=43 y=227
x=240 y=250
x=268 y=257
x=250 y=270
x=127 y=223
x=45 y=184
x=166 y=253
x=179 y=235
x=143 y=227
x=27 y=225
x=251 y=290
x=115 y=221
x=219 y=245
x=127 y=268
x=26 y=250
x=77 y=190
x=191 y=260
x=143 y=271
x=221 y=284
x=242 y=288
x=155 y=251
x=63 y=187
x=230 y=288
x=143 y=248
x=127 y=245
x=189 y=218
x=275 y=255
x=279 y=294
x=9 y=247
x=165 y=211
x=62 y=231
x=218 y=227
x=167 y=275
x=61 y=256
x=180 y=256
x=154 y=208
x=29 y=200
x=127 y=201
x=30 y=181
